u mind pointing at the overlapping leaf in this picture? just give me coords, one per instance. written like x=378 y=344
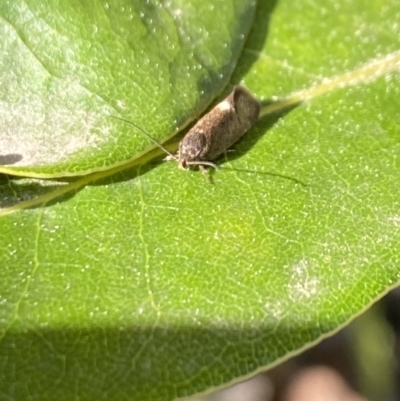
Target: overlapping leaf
x=66 y=68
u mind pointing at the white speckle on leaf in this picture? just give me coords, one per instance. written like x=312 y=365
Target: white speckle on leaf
x=274 y=309
x=301 y=285
x=45 y=133
x=395 y=220
x=177 y=13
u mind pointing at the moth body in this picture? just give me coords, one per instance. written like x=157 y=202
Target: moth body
x=215 y=132
x=219 y=129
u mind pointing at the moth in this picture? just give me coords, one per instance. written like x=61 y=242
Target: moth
x=216 y=131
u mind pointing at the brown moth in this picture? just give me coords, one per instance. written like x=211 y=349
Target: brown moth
x=216 y=131
x=219 y=129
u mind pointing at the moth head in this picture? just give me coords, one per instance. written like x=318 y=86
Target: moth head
x=192 y=148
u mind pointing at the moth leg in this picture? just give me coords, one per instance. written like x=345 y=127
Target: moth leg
x=206 y=174
x=203 y=169
x=202 y=163
x=213 y=165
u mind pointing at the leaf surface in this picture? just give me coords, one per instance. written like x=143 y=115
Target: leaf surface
x=149 y=283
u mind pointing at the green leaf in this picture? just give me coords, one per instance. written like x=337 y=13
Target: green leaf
x=145 y=282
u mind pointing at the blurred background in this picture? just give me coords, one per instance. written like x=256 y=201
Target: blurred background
x=359 y=363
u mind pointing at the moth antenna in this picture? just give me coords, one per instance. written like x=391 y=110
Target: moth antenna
x=148 y=136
